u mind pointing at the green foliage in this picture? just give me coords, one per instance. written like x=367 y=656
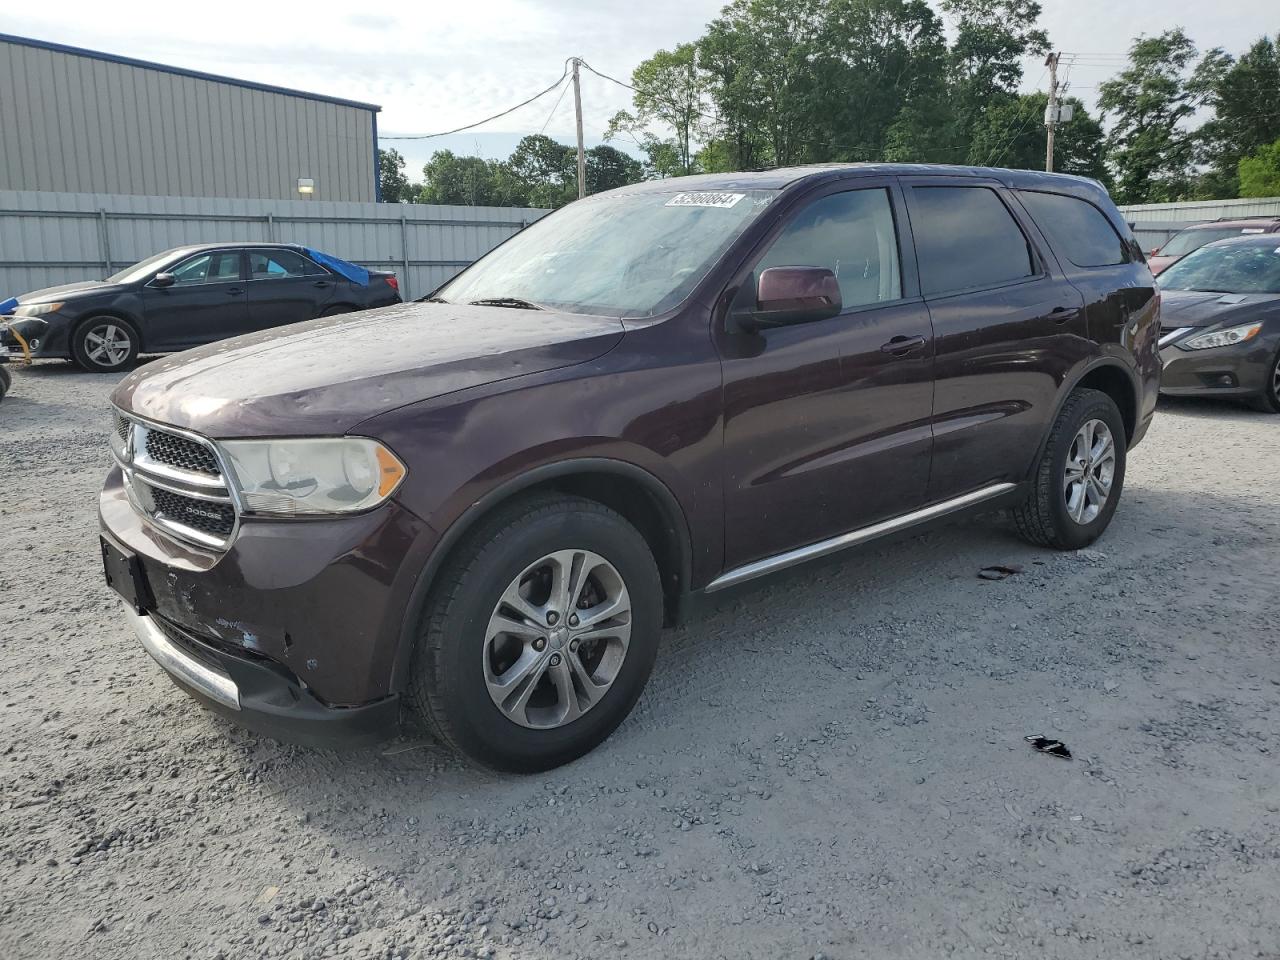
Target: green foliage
x=1260 y=172
x=1011 y=134
x=393 y=183
x=1148 y=102
x=1244 y=95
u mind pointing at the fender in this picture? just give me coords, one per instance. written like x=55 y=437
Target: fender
x=665 y=499
x=1070 y=383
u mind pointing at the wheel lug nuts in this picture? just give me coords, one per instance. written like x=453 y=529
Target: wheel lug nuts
x=573 y=619
x=573 y=645
x=552 y=618
x=555 y=659
x=540 y=643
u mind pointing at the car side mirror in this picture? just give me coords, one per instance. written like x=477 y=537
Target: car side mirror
x=1155 y=252
x=788 y=295
x=162 y=280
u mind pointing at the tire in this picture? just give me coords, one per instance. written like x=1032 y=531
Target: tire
x=1063 y=512
x=105 y=344
x=464 y=665
x=334 y=311
x=1269 y=400
x=6 y=381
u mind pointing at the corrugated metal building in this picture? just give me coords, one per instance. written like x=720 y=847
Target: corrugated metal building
x=80 y=121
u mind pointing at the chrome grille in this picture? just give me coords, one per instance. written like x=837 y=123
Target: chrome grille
x=175 y=480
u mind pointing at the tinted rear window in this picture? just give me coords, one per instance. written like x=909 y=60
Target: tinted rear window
x=1077 y=228
x=966 y=238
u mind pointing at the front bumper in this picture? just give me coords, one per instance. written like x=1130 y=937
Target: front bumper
x=1235 y=371
x=306 y=617
x=258 y=695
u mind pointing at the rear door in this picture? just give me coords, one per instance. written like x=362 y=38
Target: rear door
x=286 y=287
x=206 y=303
x=1008 y=325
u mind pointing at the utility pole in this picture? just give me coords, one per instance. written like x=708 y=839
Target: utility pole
x=1051 y=111
x=577 y=108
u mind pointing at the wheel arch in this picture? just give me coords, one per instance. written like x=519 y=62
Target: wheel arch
x=635 y=493
x=1108 y=375
x=135 y=324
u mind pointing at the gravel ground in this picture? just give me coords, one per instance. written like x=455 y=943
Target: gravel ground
x=831 y=764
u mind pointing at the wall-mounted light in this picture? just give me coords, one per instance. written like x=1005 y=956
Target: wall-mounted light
x=306 y=186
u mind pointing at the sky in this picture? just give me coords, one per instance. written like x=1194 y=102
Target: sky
x=445 y=64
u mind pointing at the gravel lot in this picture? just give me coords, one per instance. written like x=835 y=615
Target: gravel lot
x=831 y=764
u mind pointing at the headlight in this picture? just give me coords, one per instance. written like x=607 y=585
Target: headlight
x=1223 y=338
x=313 y=476
x=36 y=309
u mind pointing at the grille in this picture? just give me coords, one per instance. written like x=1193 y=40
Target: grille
x=175 y=451
x=218 y=519
x=122 y=428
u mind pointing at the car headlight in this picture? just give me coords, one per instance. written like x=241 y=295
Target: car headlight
x=1223 y=338
x=308 y=477
x=37 y=309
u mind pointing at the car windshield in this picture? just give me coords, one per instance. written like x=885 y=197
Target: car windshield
x=143 y=268
x=1227 y=268
x=632 y=254
x=1189 y=240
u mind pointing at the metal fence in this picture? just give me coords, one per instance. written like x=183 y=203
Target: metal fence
x=54 y=238
x=1154 y=223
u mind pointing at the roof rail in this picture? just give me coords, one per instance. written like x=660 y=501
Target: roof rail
x=1256 y=216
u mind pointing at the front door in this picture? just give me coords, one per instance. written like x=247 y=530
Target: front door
x=285 y=287
x=206 y=302
x=1009 y=328
x=827 y=423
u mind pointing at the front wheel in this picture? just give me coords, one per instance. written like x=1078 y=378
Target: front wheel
x=104 y=344
x=539 y=635
x=1269 y=400
x=1080 y=476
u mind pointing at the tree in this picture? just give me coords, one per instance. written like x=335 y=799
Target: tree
x=608 y=168
x=1011 y=134
x=991 y=38
x=472 y=181
x=1243 y=94
x=393 y=183
x=670 y=89
x=1149 y=102
x=1260 y=172
x=547 y=169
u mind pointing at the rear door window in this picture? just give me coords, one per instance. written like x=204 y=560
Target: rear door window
x=1077 y=228
x=280 y=265
x=966 y=238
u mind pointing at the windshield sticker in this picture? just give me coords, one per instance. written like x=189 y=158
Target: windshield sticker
x=1253 y=230
x=704 y=199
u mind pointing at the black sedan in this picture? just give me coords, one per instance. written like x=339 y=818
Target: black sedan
x=186 y=297
x=1220 y=322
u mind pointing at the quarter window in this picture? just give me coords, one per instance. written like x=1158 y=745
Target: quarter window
x=966 y=238
x=280 y=264
x=852 y=235
x=1077 y=228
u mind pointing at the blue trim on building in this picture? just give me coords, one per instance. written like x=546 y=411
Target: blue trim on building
x=181 y=72
x=377 y=167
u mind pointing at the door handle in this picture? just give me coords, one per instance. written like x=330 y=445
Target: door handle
x=235 y=292
x=1063 y=314
x=901 y=346
x=321 y=283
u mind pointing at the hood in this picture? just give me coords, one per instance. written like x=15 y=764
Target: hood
x=1157 y=263
x=325 y=376
x=68 y=290
x=1196 y=308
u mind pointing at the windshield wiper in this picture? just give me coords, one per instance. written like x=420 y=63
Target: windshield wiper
x=514 y=302
x=432 y=300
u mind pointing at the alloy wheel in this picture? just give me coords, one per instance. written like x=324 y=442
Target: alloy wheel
x=557 y=639
x=107 y=344
x=1090 y=471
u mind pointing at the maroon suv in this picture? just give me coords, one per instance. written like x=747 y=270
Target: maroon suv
x=486 y=506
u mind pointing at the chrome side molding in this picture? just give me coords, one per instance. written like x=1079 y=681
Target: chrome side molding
x=213 y=683
x=813 y=551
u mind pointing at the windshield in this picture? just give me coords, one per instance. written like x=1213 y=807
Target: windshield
x=1188 y=240
x=144 y=267
x=1230 y=268
x=632 y=255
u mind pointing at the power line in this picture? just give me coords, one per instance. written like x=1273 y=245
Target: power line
x=472 y=126
x=1008 y=143
x=559 y=100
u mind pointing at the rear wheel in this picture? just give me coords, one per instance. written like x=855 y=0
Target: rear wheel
x=1080 y=476
x=105 y=344
x=539 y=635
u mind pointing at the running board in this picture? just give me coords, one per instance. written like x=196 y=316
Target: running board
x=781 y=561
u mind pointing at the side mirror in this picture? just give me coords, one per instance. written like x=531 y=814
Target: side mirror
x=787 y=295
x=162 y=280
x=1155 y=252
